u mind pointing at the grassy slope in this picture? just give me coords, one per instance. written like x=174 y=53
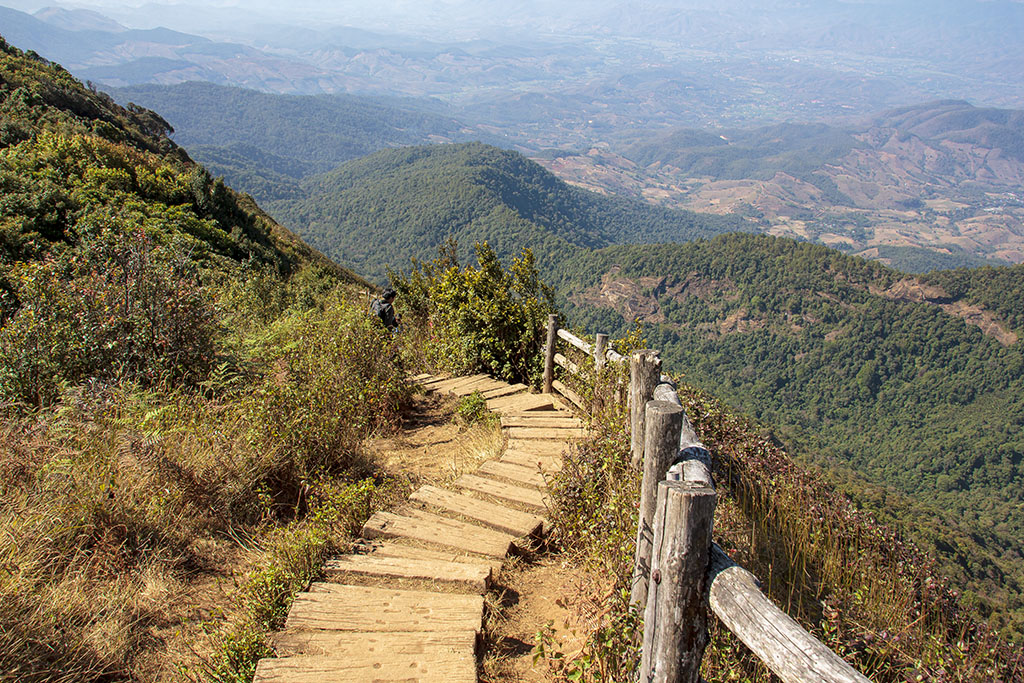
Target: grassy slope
x=123 y=498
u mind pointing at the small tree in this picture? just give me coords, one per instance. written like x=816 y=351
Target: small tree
x=483 y=317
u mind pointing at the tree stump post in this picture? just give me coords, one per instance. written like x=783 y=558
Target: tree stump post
x=675 y=619
x=663 y=422
x=644 y=374
x=549 y=353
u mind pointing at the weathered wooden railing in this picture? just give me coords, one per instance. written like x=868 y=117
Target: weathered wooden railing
x=679 y=572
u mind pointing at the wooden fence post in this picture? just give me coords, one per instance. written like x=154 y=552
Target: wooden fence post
x=661 y=443
x=675 y=621
x=644 y=372
x=600 y=348
x=549 y=353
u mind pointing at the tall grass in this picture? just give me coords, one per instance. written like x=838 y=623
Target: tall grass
x=108 y=493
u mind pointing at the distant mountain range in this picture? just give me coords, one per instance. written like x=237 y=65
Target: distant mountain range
x=265 y=144
x=935 y=185
x=569 y=75
x=944 y=176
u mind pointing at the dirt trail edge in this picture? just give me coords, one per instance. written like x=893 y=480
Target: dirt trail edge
x=407 y=604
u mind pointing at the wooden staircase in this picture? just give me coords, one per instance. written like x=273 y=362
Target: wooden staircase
x=407 y=604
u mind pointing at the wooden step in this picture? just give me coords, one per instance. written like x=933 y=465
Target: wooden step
x=542 y=420
x=353 y=644
x=426 y=668
x=520 y=402
x=507 y=390
x=422 y=377
x=554 y=412
x=503 y=518
x=448 y=385
x=425 y=527
x=395 y=548
x=537 y=446
x=473 y=577
x=528 y=497
x=337 y=607
x=544 y=463
x=515 y=473
x=481 y=386
x=543 y=433
x=437 y=379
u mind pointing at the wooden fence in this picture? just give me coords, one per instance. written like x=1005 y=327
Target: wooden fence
x=679 y=572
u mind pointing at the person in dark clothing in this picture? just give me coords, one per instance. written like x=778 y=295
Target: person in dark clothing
x=384 y=309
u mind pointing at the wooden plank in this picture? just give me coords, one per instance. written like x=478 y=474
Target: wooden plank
x=503 y=518
x=573 y=340
x=425 y=668
x=793 y=654
x=555 y=412
x=338 y=644
x=542 y=420
x=422 y=377
x=520 y=402
x=437 y=379
x=543 y=463
x=481 y=386
x=474 y=577
x=516 y=473
x=337 y=607
x=429 y=528
x=562 y=434
x=505 y=391
x=569 y=394
x=538 y=447
x=528 y=497
x=567 y=364
x=447 y=385
x=396 y=549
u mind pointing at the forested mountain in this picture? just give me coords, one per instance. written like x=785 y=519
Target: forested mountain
x=381 y=210
x=911 y=391
x=264 y=144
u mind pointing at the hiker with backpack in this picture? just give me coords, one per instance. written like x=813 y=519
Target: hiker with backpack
x=384 y=309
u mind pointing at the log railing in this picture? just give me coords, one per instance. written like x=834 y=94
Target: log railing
x=679 y=572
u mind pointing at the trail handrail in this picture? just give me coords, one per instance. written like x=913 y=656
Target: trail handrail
x=679 y=572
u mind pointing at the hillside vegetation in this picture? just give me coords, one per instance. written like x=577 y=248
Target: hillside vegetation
x=855 y=379
x=398 y=204
x=185 y=388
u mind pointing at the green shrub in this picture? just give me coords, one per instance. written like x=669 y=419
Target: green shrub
x=482 y=318
x=116 y=306
x=472 y=409
x=333 y=378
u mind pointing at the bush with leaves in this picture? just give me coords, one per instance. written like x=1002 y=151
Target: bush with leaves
x=118 y=305
x=481 y=318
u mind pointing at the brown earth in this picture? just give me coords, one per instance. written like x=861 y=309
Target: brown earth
x=549 y=596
